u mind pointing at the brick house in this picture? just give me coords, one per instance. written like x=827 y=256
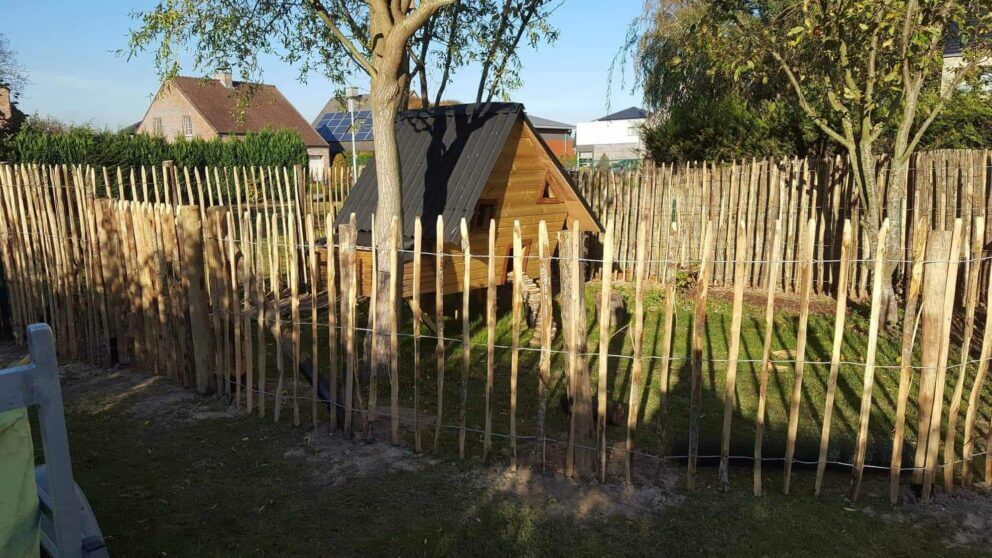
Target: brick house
x=208 y=108
x=10 y=117
x=558 y=135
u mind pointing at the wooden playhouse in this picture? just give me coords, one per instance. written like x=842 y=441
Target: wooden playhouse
x=477 y=162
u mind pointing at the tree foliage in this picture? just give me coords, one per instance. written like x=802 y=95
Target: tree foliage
x=965 y=123
x=483 y=33
x=866 y=73
x=730 y=127
x=701 y=74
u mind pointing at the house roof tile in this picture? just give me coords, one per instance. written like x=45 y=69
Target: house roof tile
x=266 y=108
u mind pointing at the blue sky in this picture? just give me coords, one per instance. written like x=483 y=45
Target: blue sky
x=75 y=75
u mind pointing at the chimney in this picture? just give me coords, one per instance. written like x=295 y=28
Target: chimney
x=223 y=75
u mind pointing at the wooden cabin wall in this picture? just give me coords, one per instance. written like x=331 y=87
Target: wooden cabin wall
x=516 y=185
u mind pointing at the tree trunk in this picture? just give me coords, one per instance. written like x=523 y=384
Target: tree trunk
x=864 y=169
x=896 y=192
x=388 y=90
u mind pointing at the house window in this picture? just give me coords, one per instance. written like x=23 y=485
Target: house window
x=187 y=126
x=157 y=125
x=548 y=194
x=485 y=211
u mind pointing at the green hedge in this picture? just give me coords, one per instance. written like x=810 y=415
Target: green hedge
x=84 y=145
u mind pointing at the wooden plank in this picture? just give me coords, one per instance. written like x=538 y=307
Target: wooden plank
x=394 y=369
x=970 y=302
x=974 y=399
x=276 y=284
x=988 y=462
x=109 y=272
x=294 y=294
x=604 y=345
x=910 y=323
x=235 y=306
x=191 y=234
x=730 y=394
x=933 y=439
x=935 y=273
x=698 y=334
x=840 y=316
x=518 y=265
x=637 y=340
x=332 y=323
x=314 y=340
x=250 y=277
x=544 y=367
x=669 y=284
x=347 y=237
x=418 y=239
x=806 y=288
x=466 y=339
x=371 y=325
x=861 y=445
x=439 y=321
x=570 y=291
x=490 y=337
x=766 y=352
x=582 y=428
x=260 y=254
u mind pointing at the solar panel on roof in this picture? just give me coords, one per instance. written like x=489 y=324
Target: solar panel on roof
x=337 y=127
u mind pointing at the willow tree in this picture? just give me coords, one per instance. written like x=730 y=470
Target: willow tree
x=868 y=74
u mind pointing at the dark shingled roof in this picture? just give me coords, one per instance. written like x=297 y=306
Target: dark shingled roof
x=548 y=124
x=630 y=113
x=447 y=155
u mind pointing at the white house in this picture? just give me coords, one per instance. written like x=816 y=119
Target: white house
x=954 y=60
x=617 y=136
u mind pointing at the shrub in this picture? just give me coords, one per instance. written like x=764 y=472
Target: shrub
x=344 y=159
x=37 y=142
x=965 y=123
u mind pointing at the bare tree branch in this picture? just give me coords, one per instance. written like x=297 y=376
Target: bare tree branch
x=804 y=103
x=407 y=26
x=349 y=45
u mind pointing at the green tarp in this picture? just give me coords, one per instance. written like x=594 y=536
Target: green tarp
x=18 y=493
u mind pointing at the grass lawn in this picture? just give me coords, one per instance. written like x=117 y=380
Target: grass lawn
x=820 y=336
x=170 y=473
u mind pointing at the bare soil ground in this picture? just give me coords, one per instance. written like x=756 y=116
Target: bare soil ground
x=171 y=473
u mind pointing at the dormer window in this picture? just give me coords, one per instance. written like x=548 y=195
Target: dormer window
x=485 y=211
x=548 y=193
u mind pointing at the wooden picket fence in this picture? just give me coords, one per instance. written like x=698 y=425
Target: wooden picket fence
x=217 y=284
x=943 y=185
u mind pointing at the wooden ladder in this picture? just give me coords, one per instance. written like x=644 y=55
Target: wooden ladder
x=531 y=293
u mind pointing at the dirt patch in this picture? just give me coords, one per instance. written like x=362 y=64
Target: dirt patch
x=784 y=302
x=965 y=515
x=96 y=390
x=582 y=500
x=334 y=460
